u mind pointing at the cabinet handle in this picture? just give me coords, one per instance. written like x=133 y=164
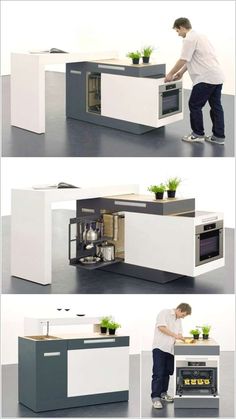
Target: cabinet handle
x=111 y=67
x=91 y=341
x=131 y=204
x=75 y=72
x=52 y=354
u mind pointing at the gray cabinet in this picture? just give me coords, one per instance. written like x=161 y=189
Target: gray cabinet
x=42 y=373
x=84 y=95
x=58 y=374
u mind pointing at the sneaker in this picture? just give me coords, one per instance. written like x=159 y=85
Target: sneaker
x=167 y=398
x=191 y=138
x=214 y=140
x=157 y=404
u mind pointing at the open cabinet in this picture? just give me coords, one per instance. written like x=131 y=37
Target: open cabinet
x=95 y=242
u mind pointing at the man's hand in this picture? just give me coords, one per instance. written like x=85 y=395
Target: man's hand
x=168 y=78
x=180 y=337
x=178 y=76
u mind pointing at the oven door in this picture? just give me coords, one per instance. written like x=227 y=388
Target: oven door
x=170 y=99
x=209 y=245
x=199 y=381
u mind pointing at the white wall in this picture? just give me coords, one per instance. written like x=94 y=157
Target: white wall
x=210 y=181
x=136 y=313
x=119 y=25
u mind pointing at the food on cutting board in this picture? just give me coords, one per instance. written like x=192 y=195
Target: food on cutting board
x=188 y=340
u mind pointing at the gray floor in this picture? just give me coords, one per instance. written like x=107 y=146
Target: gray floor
x=68 y=279
x=11 y=407
x=226 y=392
x=68 y=137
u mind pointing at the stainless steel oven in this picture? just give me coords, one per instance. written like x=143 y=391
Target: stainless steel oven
x=170 y=99
x=208 y=242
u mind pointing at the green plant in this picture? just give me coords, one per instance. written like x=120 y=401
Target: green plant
x=105 y=321
x=112 y=325
x=206 y=329
x=173 y=183
x=136 y=54
x=147 y=51
x=194 y=332
x=157 y=188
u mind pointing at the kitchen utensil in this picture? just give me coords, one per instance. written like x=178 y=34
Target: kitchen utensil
x=89 y=246
x=88 y=260
x=90 y=234
x=106 y=251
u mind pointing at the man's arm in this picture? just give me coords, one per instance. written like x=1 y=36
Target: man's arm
x=168 y=332
x=180 y=65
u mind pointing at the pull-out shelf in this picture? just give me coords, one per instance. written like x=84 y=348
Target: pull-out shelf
x=97 y=265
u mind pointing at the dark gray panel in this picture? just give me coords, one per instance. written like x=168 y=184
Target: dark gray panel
x=197 y=350
x=81 y=343
x=154 y=275
x=143 y=207
x=93 y=399
x=196 y=403
x=26 y=373
x=51 y=372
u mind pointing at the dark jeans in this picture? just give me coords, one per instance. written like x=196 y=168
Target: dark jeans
x=163 y=367
x=201 y=93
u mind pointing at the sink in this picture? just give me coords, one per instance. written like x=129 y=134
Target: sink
x=43 y=337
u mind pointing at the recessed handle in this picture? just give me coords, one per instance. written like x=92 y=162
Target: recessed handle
x=131 y=204
x=95 y=341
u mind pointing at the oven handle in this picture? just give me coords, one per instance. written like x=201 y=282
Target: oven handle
x=196 y=359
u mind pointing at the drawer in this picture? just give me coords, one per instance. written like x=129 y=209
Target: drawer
x=93 y=343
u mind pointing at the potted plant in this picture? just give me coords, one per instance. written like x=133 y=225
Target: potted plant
x=135 y=56
x=112 y=326
x=205 y=331
x=158 y=190
x=104 y=324
x=146 y=53
x=171 y=186
x=195 y=333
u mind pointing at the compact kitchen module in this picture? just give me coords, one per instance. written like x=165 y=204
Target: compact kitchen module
x=62 y=371
x=149 y=239
x=118 y=230
x=121 y=95
x=196 y=374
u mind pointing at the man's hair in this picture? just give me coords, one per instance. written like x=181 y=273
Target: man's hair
x=182 y=21
x=185 y=308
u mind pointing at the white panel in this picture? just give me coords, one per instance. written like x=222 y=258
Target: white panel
x=133 y=99
x=160 y=242
x=31 y=237
x=99 y=370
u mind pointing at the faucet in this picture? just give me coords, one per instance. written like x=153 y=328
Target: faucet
x=47 y=327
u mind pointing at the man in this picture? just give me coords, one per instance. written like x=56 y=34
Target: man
x=168 y=328
x=198 y=57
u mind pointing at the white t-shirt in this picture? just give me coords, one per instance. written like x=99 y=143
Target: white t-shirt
x=202 y=64
x=161 y=341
